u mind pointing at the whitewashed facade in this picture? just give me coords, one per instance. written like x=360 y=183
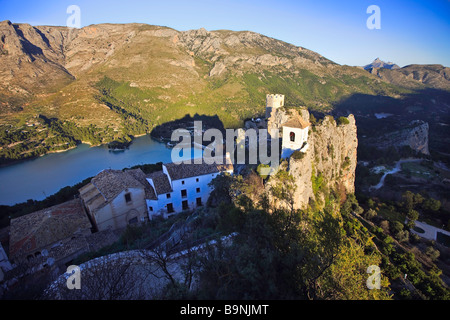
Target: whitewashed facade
x=186 y=189
x=294 y=139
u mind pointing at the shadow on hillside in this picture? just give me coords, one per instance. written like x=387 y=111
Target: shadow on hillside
x=164 y=131
x=429 y=105
x=429 y=100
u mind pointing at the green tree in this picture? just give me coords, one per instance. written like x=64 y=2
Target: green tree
x=346 y=278
x=283 y=188
x=431 y=204
x=260 y=168
x=396 y=227
x=412 y=215
x=370 y=214
x=226 y=188
x=432 y=253
x=408 y=200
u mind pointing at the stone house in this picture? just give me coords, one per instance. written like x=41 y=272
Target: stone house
x=50 y=236
x=114 y=198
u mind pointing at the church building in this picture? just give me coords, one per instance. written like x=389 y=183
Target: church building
x=294 y=130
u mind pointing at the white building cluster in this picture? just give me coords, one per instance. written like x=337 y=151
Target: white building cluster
x=114 y=198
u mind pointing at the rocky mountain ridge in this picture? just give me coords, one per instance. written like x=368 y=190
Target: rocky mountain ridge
x=114 y=81
x=377 y=63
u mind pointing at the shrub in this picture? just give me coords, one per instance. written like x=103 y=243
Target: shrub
x=370 y=214
x=432 y=253
x=413 y=215
x=298 y=155
x=402 y=236
x=342 y=121
x=259 y=169
x=431 y=205
x=396 y=227
x=415 y=238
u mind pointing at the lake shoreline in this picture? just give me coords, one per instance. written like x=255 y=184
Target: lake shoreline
x=44 y=176
x=22 y=160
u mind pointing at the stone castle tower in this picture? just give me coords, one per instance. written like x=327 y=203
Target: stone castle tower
x=273 y=102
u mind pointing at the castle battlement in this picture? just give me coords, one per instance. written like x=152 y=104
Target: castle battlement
x=273 y=101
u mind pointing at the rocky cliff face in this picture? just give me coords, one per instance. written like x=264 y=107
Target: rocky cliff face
x=329 y=163
x=415 y=135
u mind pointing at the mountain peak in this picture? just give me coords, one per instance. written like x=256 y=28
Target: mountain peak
x=378 y=63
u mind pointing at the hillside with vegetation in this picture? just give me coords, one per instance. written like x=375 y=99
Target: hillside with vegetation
x=110 y=82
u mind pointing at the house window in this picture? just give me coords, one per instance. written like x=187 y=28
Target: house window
x=182 y=181
x=198 y=190
x=170 y=208
x=185 y=205
x=196 y=180
x=292 y=136
x=150 y=208
x=127 y=197
x=168 y=196
x=133 y=221
x=184 y=193
x=199 y=202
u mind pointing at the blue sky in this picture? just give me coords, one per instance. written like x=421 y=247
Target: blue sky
x=411 y=31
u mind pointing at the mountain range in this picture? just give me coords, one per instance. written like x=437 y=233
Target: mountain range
x=377 y=63
x=109 y=81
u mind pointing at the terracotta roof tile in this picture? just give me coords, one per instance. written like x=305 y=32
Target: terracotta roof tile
x=42 y=228
x=296 y=122
x=161 y=182
x=140 y=176
x=111 y=182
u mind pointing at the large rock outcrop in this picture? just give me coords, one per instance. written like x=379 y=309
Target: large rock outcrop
x=328 y=165
x=415 y=136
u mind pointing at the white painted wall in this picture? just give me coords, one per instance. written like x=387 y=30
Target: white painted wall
x=190 y=185
x=288 y=146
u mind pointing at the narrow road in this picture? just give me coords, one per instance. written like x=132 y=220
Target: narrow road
x=396 y=169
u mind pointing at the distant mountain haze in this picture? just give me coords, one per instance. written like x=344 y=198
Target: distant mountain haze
x=377 y=63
